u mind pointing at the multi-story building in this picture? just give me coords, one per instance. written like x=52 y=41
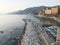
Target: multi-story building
x=55 y=10
x=51 y=10
x=47 y=11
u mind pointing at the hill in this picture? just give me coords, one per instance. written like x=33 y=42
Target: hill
x=31 y=10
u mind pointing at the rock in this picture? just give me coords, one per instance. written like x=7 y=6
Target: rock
x=15 y=38
x=35 y=34
x=31 y=35
x=1 y=32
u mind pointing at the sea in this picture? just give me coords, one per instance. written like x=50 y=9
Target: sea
x=12 y=26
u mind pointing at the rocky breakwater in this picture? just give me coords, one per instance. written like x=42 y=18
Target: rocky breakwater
x=32 y=34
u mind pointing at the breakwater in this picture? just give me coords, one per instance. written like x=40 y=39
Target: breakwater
x=34 y=34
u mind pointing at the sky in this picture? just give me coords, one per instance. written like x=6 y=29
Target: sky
x=15 y=5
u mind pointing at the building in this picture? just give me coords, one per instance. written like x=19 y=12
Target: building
x=54 y=10
x=42 y=12
x=47 y=11
x=51 y=10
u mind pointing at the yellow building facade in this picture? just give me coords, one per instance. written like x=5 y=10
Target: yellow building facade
x=52 y=10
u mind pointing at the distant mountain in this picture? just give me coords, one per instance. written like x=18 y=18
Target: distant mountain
x=31 y=10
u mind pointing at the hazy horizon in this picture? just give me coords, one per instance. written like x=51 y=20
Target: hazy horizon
x=15 y=5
